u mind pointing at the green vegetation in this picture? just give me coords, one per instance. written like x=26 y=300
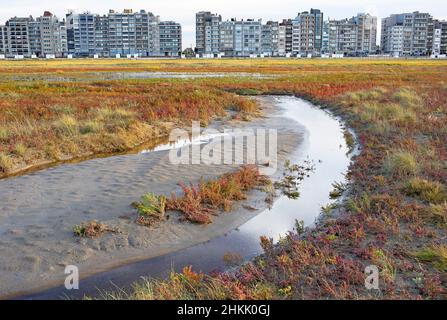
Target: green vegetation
x=92 y=229
x=432 y=192
x=435 y=255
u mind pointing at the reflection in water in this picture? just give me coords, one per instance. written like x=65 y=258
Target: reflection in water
x=324 y=143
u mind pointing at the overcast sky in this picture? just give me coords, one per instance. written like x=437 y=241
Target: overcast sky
x=183 y=11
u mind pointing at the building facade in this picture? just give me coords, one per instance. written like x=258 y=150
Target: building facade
x=407 y=34
x=439 y=38
x=247 y=37
x=18 y=36
x=355 y=36
x=285 y=37
x=270 y=39
x=170 y=39
x=208 y=32
x=307 y=33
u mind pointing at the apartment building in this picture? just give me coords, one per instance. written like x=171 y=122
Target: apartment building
x=170 y=39
x=285 y=37
x=407 y=34
x=18 y=36
x=247 y=37
x=354 y=36
x=102 y=36
x=208 y=32
x=341 y=36
x=270 y=39
x=439 y=38
x=366 y=41
x=48 y=36
x=130 y=33
x=226 y=39
x=35 y=38
x=81 y=34
x=307 y=33
x=3 y=40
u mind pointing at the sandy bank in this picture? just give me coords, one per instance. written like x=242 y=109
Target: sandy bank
x=39 y=210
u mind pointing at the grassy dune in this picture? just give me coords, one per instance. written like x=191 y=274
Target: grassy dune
x=395 y=216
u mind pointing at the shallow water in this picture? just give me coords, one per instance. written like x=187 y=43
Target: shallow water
x=136 y=75
x=324 y=143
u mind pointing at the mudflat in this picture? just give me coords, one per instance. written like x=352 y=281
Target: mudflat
x=38 y=211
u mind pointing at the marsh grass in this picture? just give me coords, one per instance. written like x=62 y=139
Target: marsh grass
x=20 y=150
x=407 y=98
x=438 y=214
x=429 y=191
x=66 y=125
x=401 y=163
x=4 y=134
x=436 y=255
x=6 y=163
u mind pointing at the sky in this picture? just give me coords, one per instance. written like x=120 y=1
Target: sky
x=183 y=11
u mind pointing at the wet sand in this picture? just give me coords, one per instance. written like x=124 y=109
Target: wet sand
x=38 y=211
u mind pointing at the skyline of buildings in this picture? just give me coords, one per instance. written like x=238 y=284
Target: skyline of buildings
x=141 y=34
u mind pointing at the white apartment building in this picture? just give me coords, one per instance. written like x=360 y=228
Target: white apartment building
x=354 y=36
x=307 y=33
x=407 y=34
x=247 y=37
x=208 y=32
x=53 y=35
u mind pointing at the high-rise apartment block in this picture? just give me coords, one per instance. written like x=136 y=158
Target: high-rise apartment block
x=270 y=39
x=208 y=32
x=354 y=36
x=439 y=38
x=170 y=39
x=307 y=33
x=408 y=34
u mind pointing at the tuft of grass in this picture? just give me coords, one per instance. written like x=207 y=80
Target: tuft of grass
x=339 y=188
x=432 y=192
x=374 y=94
x=92 y=229
x=438 y=213
x=151 y=209
x=407 y=97
x=349 y=138
x=435 y=255
x=115 y=118
x=92 y=126
x=4 y=134
x=66 y=125
x=20 y=149
x=6 y=163
x=401 y=163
